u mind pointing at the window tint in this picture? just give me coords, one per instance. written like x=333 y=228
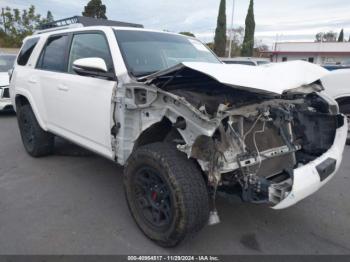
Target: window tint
x=148 y=52
x=89 y=45
x=53 y=56
x=26 y=51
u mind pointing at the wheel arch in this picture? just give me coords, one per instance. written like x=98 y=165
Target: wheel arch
x=23 y=99
x=158 y=132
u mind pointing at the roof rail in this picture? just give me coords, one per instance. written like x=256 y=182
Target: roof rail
x=37 y=32
x=81 y=21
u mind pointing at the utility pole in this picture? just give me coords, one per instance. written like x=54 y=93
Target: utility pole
x=231 y=31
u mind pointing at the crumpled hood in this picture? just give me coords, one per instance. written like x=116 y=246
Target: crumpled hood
x=272 y=78
x=4 y=79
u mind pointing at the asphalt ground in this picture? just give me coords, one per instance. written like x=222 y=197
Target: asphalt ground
x=73 y=203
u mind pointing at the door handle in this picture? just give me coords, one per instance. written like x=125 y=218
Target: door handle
x=63 y=88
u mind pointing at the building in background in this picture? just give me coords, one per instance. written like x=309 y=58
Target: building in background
x=322 y=53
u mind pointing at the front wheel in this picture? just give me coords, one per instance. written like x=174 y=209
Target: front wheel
x=166 y=193
x=36 y=141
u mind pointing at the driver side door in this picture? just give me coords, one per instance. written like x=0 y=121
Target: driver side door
x=82 y=105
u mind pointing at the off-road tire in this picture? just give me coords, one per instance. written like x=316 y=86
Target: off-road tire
x=187 y=189
x=35 y=140
x=345 y=109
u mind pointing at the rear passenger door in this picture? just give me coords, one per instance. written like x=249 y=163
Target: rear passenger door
x=78 y=107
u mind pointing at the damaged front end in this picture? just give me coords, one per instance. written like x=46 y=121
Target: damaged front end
x=256 y=148
x=266 y=146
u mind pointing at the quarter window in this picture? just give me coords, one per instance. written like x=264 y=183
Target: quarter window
x=26 y=51
x=89 y=45
x=53 y=56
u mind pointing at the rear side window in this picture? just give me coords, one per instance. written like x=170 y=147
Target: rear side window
x=89 y=45
x=53 y=56
x=26 y=51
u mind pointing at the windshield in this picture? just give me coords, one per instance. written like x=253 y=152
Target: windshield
x=6 y=62
x=149 y=52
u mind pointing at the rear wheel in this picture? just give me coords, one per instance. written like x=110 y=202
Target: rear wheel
x=166 y=193
x=345 y=109
x=36 y=141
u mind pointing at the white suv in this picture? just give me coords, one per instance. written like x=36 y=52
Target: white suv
x=184 y=125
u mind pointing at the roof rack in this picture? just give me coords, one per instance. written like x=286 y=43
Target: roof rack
x=81 y=21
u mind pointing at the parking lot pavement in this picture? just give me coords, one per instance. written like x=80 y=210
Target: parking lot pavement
x=73 y=203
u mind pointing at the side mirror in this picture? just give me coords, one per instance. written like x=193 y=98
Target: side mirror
x=92 y=66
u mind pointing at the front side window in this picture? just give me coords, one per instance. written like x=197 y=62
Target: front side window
x=53 y=55
x=26 y=51
x=148 y=52
x=6 y=62
x=89 y=45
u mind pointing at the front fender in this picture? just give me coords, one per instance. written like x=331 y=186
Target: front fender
x=29 y=97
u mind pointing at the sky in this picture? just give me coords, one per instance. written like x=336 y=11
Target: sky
x=284 y=20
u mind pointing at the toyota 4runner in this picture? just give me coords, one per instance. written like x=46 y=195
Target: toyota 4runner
x=184 y=125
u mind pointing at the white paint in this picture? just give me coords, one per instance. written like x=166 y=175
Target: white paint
x=4 y=79
x=272 y=78
x=337 y=83
x=91 y=63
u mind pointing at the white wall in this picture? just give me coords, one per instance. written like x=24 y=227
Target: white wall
x=318 y=59
x=313 y=47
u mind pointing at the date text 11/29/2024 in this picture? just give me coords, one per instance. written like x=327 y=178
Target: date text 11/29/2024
x=173 y=258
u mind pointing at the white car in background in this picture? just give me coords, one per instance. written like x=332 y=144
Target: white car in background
x=337 y=85
x=6 y=64
x=251 y=61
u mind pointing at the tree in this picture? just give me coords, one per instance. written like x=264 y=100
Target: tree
x=17 y=25
x=248 y=42
x=210 y=45
x=49 y=18
x=341 y=36
x=237 y=40
x=326 y=37
x=188 y=34
x=220 y=32
x=95 y=9
x=260 y=49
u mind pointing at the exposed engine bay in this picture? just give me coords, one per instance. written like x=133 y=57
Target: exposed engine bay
x=245 y=141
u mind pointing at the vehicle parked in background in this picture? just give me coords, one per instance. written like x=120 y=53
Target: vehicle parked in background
x=251 y=61
x=183 y=124
x=337 y=66
x=337 y=85
x=6 y=64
